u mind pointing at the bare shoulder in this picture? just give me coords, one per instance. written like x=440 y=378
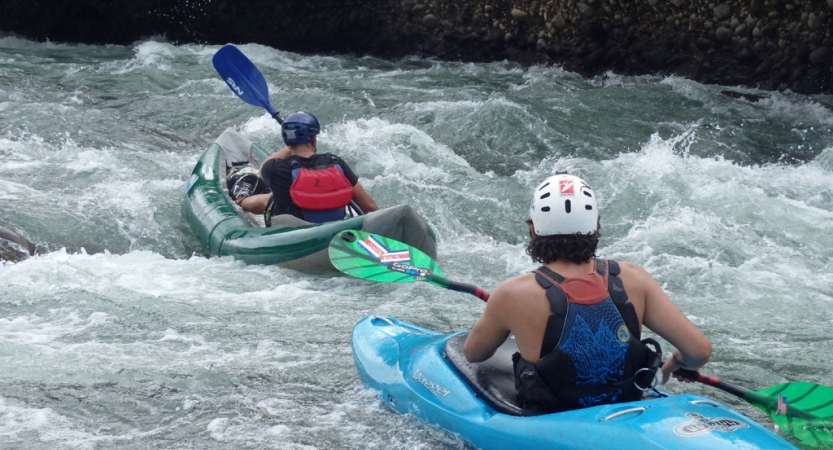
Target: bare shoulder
x=633 y=269
x=636 y=276
x=511 y=290
x=640 y=286
x=516 y=285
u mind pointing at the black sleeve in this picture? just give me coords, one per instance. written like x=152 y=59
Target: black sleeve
x=266 y=171
x=278 y=176
x=348 y=172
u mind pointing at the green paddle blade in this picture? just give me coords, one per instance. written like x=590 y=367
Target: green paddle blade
x=377 y=258
x=806 y=411
x=799 y=409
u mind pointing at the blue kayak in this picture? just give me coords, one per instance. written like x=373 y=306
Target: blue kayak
x=423 y=372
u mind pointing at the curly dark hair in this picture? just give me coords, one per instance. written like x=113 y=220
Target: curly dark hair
x=576 y=248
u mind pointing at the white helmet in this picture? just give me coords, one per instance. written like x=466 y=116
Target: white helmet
x=564 y=204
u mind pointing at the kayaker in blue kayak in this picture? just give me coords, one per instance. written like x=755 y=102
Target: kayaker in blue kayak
x=303 y=183
x=577 y=320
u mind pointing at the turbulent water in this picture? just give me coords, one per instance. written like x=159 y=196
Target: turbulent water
x=123 y=333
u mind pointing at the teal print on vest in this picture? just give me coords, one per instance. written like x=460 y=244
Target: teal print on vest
x=592 y=339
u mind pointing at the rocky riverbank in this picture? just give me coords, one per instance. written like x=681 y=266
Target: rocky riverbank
x=770 y=44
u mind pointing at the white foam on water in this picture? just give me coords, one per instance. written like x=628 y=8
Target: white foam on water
x=148 y=54
x=19 y=423
x=397 y=149
x=133 y=344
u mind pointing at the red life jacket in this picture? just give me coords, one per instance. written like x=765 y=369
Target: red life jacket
x=321 y=192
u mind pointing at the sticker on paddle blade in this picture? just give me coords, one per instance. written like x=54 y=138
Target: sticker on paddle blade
x=377 y=249
x=378 y=258
x=805 y=411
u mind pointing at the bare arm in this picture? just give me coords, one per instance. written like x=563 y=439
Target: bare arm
x=665 y=318
x=490 y=330
x=254 y=203
x=363 y=199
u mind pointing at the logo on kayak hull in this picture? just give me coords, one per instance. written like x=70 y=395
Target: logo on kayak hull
x=702 y=425
x=433 y=387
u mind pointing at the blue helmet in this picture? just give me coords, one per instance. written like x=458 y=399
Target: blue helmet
x=299 y=128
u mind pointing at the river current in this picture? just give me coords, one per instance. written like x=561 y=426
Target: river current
x=123 y=333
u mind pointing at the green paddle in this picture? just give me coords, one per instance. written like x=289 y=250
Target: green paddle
x=800 y=409
x=377 y=258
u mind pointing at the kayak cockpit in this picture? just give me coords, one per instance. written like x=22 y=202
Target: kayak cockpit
x=492 y=380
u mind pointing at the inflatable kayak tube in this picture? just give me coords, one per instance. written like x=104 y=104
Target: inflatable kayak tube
x=424 y=373
x=224 y=229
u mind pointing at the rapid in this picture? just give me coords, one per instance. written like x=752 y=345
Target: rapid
x=121 y=332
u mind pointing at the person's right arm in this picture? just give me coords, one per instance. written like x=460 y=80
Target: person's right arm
x=491 y=329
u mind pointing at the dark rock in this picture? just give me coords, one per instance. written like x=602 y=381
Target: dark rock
x=703 y=43
x=14 y=247
x=430 y=21
x=748 y=97
x=722 y=11
x=586 y=10
x=819 y=56
x=519 y=15
x=764 y=68
x=595 y=59
x=723 y=35
x=781 y=73
x=657 y=57
x=745 y=55
x=807 y=85
x=731 y=41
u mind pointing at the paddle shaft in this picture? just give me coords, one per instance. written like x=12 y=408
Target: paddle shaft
x=693 y=375
x=477 y=291
x=426 y=274
x=746 y=394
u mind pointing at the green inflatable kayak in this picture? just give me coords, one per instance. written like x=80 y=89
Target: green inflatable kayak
x=226 y=230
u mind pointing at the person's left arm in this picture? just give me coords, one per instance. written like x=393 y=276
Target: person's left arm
x=363 y=199
x=663 y=317
x=490 y=330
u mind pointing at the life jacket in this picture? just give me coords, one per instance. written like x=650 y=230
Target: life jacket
x=591 y=353
x=321 y=192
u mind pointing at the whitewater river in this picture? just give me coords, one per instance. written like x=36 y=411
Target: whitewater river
x=123 y=333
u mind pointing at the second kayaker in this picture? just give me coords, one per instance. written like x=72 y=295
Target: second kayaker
x=308 y=185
